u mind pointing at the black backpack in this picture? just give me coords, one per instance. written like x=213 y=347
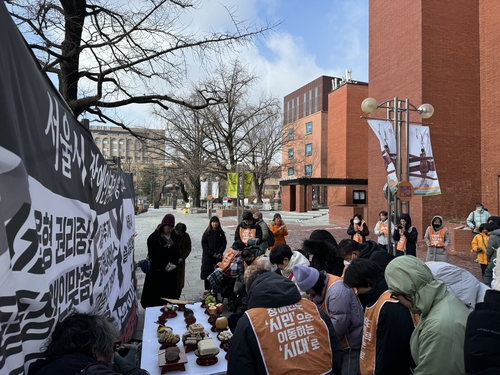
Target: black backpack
x=270 y=238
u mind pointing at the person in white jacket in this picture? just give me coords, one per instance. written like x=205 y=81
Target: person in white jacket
x=382 y=229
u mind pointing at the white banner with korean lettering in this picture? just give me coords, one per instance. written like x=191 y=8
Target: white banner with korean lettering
x=66 y=218
x=385 y=134
x=423 y=175
x=215 y=189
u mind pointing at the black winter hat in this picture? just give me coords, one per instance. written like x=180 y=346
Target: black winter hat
x=323 y=235
x=247 y=215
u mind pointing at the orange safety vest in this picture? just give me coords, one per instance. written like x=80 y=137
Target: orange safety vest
x=227 y=258
x=332 y=279
x=246 y=234
x=367 y=360
x=292 y=339
x=436 y=239
x=358 y=237
x=401 y=246
x=383 y=228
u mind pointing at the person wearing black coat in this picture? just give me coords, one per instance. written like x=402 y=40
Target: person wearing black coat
x=394 y=323
x=247 y=228
x=269 y=290
x=321 y=250
x=163 y=253
x=213 y=244
x=481 y=349
x=405 y=236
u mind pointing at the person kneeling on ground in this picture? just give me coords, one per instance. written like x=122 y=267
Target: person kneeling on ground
x=274 y=306
x=85 y=343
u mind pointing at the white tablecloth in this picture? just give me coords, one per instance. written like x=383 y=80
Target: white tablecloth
x=150 y=345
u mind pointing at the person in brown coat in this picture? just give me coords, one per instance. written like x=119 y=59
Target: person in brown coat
x=184 y=244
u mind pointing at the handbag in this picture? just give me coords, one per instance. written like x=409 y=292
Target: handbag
x=144 y=265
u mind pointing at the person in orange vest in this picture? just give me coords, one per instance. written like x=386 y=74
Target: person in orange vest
x=247 y=229
x=340 y=303
x=358 y=230
x=405 y=235
x=388 y=325
x=382 y=229
x=282 y=333
x=437 y=239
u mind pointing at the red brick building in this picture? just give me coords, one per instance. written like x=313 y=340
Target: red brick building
x=430 y=51
x=324 y=148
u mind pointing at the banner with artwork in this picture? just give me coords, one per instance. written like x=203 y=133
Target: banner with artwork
x=66 y=218
x=423 y=175
x=385 y=134
x=232 y=184
x=204 y=189
x=215 y=189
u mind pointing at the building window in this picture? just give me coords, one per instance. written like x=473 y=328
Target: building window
x=290 y=171
x=309 y=127
x=305 y=104
x=359 y=196
x=290 y=153
x=310 y=101
x=308 y=170
x=293 y=109
x=105 y=141
x=309 y=149
x=297 y=107
x=290 y=134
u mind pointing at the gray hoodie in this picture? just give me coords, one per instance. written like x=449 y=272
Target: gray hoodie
x=437 y=254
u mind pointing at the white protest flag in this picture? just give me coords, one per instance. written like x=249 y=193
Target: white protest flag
x=423 y=174
x=385 y=134
x=215 y=189
x=204 y=190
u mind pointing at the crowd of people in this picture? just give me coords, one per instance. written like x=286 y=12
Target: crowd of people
x=343 y=308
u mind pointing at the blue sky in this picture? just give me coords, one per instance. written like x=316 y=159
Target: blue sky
x=318 y=37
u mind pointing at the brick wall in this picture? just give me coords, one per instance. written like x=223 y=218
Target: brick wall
x=429 y=53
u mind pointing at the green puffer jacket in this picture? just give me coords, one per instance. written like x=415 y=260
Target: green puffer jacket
x=437 y=343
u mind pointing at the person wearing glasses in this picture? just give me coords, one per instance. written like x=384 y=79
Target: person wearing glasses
x=85 y=344
x=388 y=324
x=437 y=343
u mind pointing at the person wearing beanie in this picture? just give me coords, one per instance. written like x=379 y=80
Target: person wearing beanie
x=437 y=343
x=164 y=256
x=247 y=229
x=388 y=324
x=213 y=244
x=437 y=238
x=405 y=236
x=321 y=250
x=340 y=303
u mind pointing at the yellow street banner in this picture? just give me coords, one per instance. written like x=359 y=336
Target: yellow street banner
x=247 y=184
x=232 y=184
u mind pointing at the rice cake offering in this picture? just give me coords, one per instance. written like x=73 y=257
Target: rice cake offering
x=195 y=328
x=207 y=347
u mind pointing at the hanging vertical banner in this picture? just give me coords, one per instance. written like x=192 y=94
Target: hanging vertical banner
x=215 y=189
x=204 y=189
x=385 y=134
x=247 y=184
x=232 y=184
x=67 y=219
x=423 y=174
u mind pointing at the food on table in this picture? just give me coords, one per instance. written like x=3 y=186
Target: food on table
x=169 y=338
x=210 y=299
x=172 y=353
x=207 y=347
x=221 y=323
x=225 y=336
x=194 y=328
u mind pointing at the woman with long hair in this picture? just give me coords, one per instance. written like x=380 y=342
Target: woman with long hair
x=279 y=230
x=213 y=243
x=184 y=244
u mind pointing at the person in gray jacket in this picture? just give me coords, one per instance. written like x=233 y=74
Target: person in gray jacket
x=437 y=238
x=477 y=217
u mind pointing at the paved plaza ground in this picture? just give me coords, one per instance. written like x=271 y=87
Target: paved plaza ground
x=299 y=225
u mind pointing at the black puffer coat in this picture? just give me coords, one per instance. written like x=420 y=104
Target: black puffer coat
x=213 y=243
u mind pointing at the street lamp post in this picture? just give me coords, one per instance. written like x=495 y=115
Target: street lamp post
x=398 y=111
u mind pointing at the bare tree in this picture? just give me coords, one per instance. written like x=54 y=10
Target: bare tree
x=201 y=142
x=109 y=54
